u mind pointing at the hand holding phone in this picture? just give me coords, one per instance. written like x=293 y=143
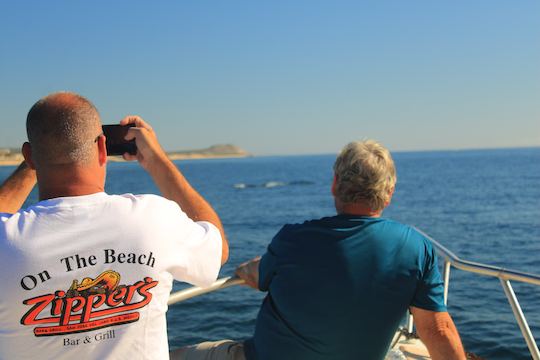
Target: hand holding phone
x=115 y=140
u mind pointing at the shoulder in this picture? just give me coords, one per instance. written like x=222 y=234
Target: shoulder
x=146 y=208
x=139 y=198
x=313 y=223
x=420 y=238
x=410 y=241
x=5 y=216
x=408 y=232
x=417 y=242
x=145 y=200
x=306 y=227
x=9 y=222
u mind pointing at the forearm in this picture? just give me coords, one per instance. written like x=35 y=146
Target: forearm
x=442 y=341
x=16 y=188
x=174 y=186
x=445 y=347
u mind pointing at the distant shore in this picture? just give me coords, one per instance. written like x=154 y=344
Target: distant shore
x=9 y=157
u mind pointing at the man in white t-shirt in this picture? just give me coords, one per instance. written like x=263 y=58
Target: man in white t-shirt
x=86 y=275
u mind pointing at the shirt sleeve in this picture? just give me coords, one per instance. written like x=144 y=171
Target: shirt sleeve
x=192 y=249
x=268 y=264
x=267 y=268
x=430 y=291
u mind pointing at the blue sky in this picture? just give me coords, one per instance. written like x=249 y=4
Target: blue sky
x=284 y=77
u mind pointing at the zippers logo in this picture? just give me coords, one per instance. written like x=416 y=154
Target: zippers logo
x=89 y=305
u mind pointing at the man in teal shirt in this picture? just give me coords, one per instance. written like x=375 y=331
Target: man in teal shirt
x=339 y=286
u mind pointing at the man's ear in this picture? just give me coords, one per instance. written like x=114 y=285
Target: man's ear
x=102 y=150
x=334 y=184
x=391 y=193
x=27 y=154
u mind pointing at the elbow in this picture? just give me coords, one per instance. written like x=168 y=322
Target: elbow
x=440 y=331
x=437 y=335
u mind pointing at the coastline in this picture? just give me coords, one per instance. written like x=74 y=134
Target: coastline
x=9 y=162
x=174 y=157
x=13 y=157
x=17 y=159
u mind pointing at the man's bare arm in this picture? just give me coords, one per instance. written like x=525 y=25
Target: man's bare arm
x=16 y=188
x=439 y=334
x=170 y=181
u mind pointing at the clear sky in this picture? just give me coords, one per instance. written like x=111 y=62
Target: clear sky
x=284 y=77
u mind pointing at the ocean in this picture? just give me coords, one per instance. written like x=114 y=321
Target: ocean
x=484 y=205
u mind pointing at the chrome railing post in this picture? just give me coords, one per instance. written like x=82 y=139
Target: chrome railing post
x=520 y=318
x=446 y=276
x=410 y=323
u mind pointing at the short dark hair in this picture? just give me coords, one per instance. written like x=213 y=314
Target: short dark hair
x=62 y=128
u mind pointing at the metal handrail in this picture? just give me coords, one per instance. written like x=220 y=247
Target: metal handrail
x=482 y=269
x=194 y=291
x=504 y=275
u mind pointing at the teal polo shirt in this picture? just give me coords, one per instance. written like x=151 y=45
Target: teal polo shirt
x=339 y=286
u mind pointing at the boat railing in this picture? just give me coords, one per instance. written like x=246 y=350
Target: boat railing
x=194 y=291
x=450 y=259
x=504 y=275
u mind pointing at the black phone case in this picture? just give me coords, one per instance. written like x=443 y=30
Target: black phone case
x=115 y=142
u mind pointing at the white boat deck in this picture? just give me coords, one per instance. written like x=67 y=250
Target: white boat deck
x=407 y=349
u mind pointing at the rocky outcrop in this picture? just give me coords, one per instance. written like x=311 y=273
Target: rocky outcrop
x=14 y=157
x=10 y=157
x=215 y=151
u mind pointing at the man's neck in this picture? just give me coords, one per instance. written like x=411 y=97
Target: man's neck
x=76 y=190
x=66 y=181
x=356 y=210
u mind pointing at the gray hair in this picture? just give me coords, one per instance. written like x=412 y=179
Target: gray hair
x=365 y=173
x=62 y=129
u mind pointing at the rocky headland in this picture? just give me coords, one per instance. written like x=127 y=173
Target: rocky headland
x=14 y=156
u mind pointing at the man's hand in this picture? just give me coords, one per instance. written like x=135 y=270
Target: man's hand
x=439 y=334
x=249 y=272
x=149 y=150
x=16 y=188
x=169 y=180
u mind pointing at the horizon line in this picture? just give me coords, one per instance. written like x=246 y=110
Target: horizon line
x=251 y=154
x=513 y=147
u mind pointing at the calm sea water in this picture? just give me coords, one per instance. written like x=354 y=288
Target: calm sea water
x=482 y=205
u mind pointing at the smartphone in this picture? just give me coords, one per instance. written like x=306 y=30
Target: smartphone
x=115 y=142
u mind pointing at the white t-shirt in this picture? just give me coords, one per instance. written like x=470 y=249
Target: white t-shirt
x=88 y=277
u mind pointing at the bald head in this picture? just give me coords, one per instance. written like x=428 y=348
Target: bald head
x=62 y=129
